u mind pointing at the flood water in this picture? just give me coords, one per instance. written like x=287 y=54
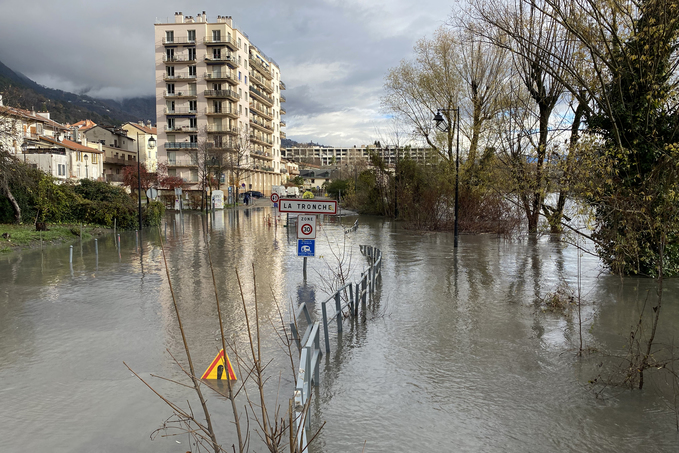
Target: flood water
x=454 y=353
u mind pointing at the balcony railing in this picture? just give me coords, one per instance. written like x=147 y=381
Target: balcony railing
x=283 y=135
x=183 y=76
x=226 y=94
x=259 y=66
x=266 y=85
x=218 y=128
x=282 y=85
x=262 y=124
x=180 y=111
x=178 y=40
x=178 y=59
x=231 y=113
x=283 y=124
x=181 y=145
x=230 y=60
x=221 y=41
x=283 y=111
x=180 y=129
x=221 y=76
x=263 y=98
x=262 y=140
x=262 y=155
x=283 y=98
x=180 y=94
x=182 y=161
x=261 y=111
x=118 y=161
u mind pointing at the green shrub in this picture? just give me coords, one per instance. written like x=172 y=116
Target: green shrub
x=153 y=214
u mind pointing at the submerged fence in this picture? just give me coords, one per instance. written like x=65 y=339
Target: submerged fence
x=333 y=309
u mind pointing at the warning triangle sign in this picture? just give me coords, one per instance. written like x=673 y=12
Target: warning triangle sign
x=216 y=368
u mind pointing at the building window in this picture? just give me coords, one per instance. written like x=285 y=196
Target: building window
x=191 y=36
x=239 y=43
x=169 y=53
x=169 y=71
x=193 y=122
x=246 y=80
x=192 y=54
x=193 y=107
x=94 y=158
x=170 y=88
x=169 y=36
x=193 y=138
x=216 y=35
x=192 y=71
x=239 y=76
x=170 y=124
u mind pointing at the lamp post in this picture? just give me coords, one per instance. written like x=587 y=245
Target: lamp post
x=443 y=126
x=87 y=169
x=151 y=145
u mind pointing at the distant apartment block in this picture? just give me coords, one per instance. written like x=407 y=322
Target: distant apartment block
x=351 y=156
x=217 y=92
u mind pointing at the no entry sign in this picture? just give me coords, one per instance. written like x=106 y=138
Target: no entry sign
x=306 y=227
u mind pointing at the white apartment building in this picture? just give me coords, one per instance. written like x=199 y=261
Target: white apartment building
x=351 y=156
x=217 y=92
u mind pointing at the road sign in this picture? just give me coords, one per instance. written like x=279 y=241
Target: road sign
x=308 y=206
x=216 y=368
x=306 y=247
x=152 y=193
x=275 y=197
x=306 y=227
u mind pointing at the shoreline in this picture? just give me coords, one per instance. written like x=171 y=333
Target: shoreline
x=25 y=237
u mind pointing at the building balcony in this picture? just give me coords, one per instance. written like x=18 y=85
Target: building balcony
x=221 y=146
x=180 y=95
x=263 y=168
x=178 y=77
x=261 y=97
x=221 y=77
x=261 y=125
x=282 y=85
x=225 y=41
x=283 y=135
x=181 y=145
x=259 y=66
x=261 y=111
x=261 y=141
x=283 y=124
x=262 y=155
x=260 y=81
x=185 y=129
x=283 y=111
x=180 y=111
x=219 y=129
x=183 y=161
x=230 y=60
x=179 y=41
x=230 y=113
x=283 y=98
x=178 y=59
x=118 y=161
x=222 y=94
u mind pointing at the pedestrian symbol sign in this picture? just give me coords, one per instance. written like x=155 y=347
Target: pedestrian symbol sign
x=216 y=368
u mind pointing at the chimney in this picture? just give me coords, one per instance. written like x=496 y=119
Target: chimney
x=141 y=122
x=45 y=115
x=178 y=17
x=204 y=17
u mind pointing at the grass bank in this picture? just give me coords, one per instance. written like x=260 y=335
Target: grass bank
x=18 y=237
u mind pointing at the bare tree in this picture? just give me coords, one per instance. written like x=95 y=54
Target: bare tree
x=238 y=161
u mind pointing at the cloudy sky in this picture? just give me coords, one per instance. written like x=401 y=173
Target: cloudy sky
x=333 y=54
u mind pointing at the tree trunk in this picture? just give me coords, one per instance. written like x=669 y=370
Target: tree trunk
x=13 y=202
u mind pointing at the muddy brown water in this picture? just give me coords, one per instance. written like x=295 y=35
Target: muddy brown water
x=453 y=355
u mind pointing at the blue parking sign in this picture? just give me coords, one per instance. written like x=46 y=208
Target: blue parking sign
x=306 y=247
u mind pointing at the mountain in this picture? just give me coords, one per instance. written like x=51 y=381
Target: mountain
x=17 y=90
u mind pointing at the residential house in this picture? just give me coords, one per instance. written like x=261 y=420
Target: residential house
x=142 y=133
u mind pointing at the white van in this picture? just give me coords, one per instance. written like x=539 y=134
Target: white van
x=280 y=190
x=292 y=192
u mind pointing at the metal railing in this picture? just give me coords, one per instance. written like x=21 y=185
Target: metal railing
x=333 y=309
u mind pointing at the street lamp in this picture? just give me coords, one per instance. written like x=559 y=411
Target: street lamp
x=443 y=126
x=151 y=145
x=87 y=172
